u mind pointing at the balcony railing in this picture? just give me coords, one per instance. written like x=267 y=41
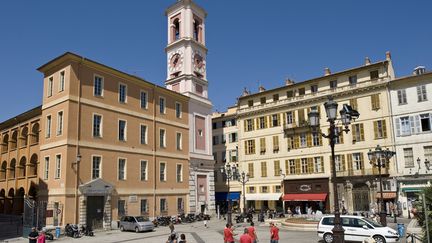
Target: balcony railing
x=362 y=172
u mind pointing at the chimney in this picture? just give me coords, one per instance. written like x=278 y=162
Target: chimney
x=419 y=70
x=261 y=89
x=388 y=56
x=367 y=61
x=327 y=71
x=289 y=82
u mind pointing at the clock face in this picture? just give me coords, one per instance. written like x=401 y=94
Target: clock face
x=175 y=61
x=199 y=62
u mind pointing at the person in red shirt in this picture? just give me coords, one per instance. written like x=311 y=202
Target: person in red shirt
x=252 y=232
x=274 y=233
x=245 y=238
x=228 y=234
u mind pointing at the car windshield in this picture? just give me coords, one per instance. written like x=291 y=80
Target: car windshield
x=141 y=219
x=372 y=222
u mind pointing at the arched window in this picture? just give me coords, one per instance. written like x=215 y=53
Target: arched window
x=5 y=143
x=13 y=141
x=197 y=29
x=33 y=164
x=12 y=168
x=35 y=134
x=23 y=137
x=177 y=29
x=3 y=169
x=22 y=167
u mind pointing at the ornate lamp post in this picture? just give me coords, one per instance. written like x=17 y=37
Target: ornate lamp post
x=243 y=179
x=347 y=114
x=230 y=172
x=379 y=158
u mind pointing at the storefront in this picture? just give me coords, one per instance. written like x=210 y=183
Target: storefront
x=303 y=196
x=264 y=201
x=222 y=201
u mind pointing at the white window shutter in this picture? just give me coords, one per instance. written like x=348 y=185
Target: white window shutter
x=412 y=124
x=417 y=124
x=398 y=127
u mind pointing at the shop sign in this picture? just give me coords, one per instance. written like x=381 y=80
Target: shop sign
x=305 y=188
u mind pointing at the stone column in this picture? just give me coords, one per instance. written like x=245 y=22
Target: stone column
x=107 y=213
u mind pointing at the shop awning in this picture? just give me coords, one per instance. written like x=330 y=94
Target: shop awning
x=305 y=197
x=223 y=196
x=386 y=195
x=263 y=196
x=412 y=189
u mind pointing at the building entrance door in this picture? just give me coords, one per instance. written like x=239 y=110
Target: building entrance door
x=95 y=211
x=360 y=197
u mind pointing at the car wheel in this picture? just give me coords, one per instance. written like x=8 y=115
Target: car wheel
x=137 y=230
x=121 y=228
x=379 y=239
x=328 y=238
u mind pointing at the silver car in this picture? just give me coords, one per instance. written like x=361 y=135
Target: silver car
x=136 y=223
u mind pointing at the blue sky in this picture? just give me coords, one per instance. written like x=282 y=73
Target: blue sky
x=250 y=42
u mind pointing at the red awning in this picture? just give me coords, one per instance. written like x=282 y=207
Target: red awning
x=305 y=197
x=386 y=195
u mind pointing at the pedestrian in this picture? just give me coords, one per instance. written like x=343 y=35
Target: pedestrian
x=41 y=238
x=274 y=233
x=252 y=232
x=172 y=239
x=182 y=238
x=172 y=231
x=228 y=234
x=245 y=238
x=33 y=235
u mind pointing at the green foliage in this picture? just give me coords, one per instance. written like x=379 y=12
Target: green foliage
x=420 y=212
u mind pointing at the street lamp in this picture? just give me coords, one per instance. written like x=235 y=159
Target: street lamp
x=347 y=114
x=230 y=172
x=376 y=158
x=243 y=179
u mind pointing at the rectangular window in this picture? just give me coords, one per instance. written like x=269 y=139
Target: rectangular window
x=318 y=165
x=292 y=166
x=122 y=130
x=96 y=167
x=250 y=146
x=162 y=104
x=353 y=103
x=263 y=169
x=304 y=166
x=428 y=153
x=46 y=169
x=421 y=93
x=339 y=162
x=251 y=170
x=358 y=132
x=290 y=94
x=405 y=127
x=275 y=97
x=122 y=93
x=48 y=127
x=97 y=126
x=333 y=84
x=303 y=140
x=57 y=167
x=121 y=169
x=50 y=87
x=143 y=99
x=179 y=173
x=251 y=189
x=233 y=137
x=289 y=117
x=262 y=145
x=250 y=103
x=373 y=74
x=301 y=91
x=233 y=155
x=143 y=173
x=143 y=134
x=352 y=80
x=275 y=120
x=98 y=86
x=278 y=189
x=162 y=171
x=314 y=88
x=215 y=140
x=163 y=205
x=121 y=208
x=408 y=157
x=316 y=139
x=264 y=189
x=144 y=207
x=62 y=81
x=179 y=141
x=249 y=125
x=277 y=169
x=178 y=110
x=375 y=101
x=162 y=138
x=263 y=100
x=262 y=122
x=180 y=204
x=275 y=144
x=402 y=98
x=357 y=161
x=380 y=129
x=425 y=122
x=59 y=122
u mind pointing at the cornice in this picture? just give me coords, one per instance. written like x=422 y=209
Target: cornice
x=185 y=41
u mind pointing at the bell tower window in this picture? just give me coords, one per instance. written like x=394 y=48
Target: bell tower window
x=197 y=29
x=175 y=28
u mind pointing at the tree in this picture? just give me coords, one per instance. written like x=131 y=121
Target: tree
x=420 y=215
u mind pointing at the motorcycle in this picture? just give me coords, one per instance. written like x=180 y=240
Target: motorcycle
x=87 y=230
x=72 y=230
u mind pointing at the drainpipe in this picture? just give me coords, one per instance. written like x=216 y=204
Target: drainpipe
x=78 y=137
x=154 y=151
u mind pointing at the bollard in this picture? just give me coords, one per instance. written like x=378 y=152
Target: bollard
x=57 y=232
x=401 y=230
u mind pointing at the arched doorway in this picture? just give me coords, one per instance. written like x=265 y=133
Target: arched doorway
x=33 y=165
x=23 y=137
x=3 y=170
x=34 y=138
x=22 y=167
x=9 y=201
x=12 y=168
x=360 y=197
x=2 y=200
x=19 y=201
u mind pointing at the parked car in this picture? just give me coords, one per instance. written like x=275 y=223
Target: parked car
x=357 y=228
x=136 y=223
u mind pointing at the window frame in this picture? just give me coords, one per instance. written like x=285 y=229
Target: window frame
x=401 y=96
x=120 y=85
x=164 y=171
x=162 y=140
x=46 y=167
x=100 y=125
x=99 y=171
x=179 y=180
x=145 y=142
x=62 y=80
x=145 y=170
x=145 y=107
x=162 y=109
x=48 y=125
x=124 y=130
x=179 y=143
x=59 y=126
x=50 y=86
x=124 y=169
x=57 y=171
x=101 y=85
x=178 y=110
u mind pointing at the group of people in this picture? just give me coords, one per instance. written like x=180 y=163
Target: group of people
x=174 y=237
x=249 y=234
x=36 y=237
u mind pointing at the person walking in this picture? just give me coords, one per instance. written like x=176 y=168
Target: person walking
x=245 y=238
x=33 y=235
x=41 y=238
x=252 y=232
x=172 y=231
x=228 y=234
x=274 y=233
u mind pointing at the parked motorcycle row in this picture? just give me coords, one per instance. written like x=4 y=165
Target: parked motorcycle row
x=179 y=219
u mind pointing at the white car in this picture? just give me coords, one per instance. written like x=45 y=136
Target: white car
x=357 y=228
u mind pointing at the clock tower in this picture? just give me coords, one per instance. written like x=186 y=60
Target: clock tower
x=187 y=74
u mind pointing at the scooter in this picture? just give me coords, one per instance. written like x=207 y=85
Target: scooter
x=72 y=230
x=87 y=230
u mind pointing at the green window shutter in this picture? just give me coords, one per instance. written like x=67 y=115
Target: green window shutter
x=354 y=133
x=350 y=164
x=297 y=166
x=310 y=165
x=362 y=137
x=384 y=128
x=375 y=126
x=322 y=164
x=309 y=139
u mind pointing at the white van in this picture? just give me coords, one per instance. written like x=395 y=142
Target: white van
x=357 y=228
